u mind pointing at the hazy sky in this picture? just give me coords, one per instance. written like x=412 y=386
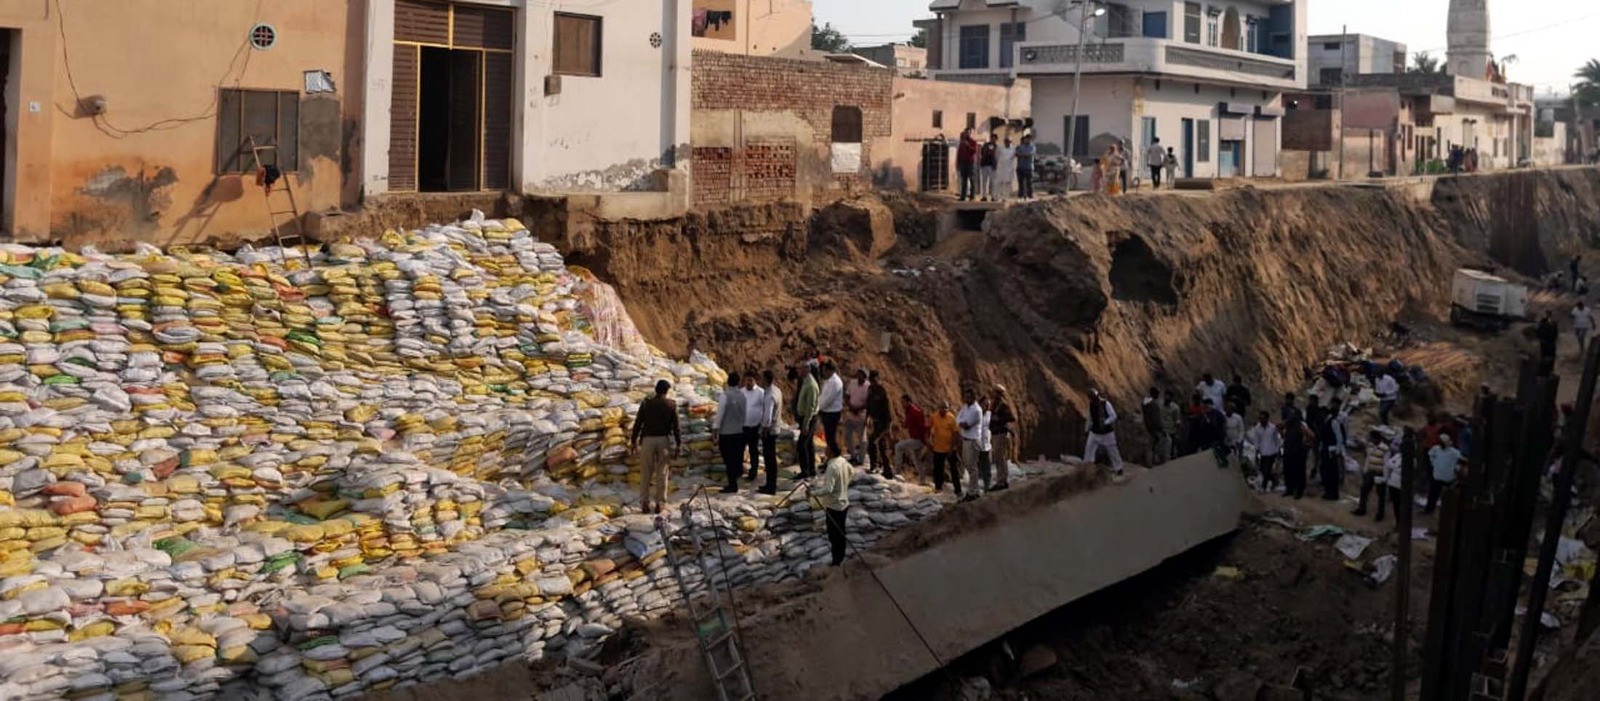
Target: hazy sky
x=1550 y=38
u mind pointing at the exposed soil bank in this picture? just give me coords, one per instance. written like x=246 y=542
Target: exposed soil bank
x=1062 y=295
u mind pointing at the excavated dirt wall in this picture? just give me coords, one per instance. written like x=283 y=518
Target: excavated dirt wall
x=1057 y=296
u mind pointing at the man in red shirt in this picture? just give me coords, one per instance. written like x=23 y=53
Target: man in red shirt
x=967 y=165
x=915 y=444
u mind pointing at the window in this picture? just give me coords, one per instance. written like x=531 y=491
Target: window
x=248 y=118
x=846 y=125
x=1010 y=34
x=1080 y=137
x=972 y=120
x=1252 y=34
x=1332 y=46
x=1120 y=21
x=938 y=119
x=1330 y=76
x=1203 y=140
x=1191 y=22
x=975 y=46
x=577 y=45
x=1212 y=31
x=1155 y=25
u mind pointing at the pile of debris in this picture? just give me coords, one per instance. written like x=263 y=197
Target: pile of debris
x=403 y=462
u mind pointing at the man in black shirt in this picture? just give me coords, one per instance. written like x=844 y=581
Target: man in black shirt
x=880 y=414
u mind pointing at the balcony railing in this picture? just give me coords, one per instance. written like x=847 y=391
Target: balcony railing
x=1068 y=53
x=1183 y=56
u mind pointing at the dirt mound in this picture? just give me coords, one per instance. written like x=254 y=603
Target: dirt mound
x=1062 y=295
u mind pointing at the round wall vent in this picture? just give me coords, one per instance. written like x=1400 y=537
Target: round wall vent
x=263 y=36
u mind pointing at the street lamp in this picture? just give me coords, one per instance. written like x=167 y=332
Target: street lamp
x=1077 y=72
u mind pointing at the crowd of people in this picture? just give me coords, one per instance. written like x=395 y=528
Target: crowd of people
x=1287 y=447
x=970 y=449
x=996 y=170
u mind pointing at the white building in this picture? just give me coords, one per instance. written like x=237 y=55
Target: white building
x=1207 y=78
x=1335 y=57
x=559 y=97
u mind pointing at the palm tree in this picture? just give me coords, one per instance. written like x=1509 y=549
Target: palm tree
x=1424 y=62
x=1588 y=87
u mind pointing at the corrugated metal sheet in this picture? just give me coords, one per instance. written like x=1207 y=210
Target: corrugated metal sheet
x=403 y=120
x=497 y=116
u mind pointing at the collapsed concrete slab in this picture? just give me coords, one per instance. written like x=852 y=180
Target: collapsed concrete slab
x=1014 y=559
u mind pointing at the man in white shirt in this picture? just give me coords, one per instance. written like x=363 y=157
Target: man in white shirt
x=1582 y=323
x=970 y=421
x=1213 y=389
x=1268 y=443
x=1388 y=391
x=755 y=401
x=1155 y=158
x=729 y=424
x=1102 y=432
x=1233 y=436
x=978 y=480
x=830 y=402
x=771 y=421
x=1445 y=459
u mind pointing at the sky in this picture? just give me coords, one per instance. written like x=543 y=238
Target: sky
x=1550 y=38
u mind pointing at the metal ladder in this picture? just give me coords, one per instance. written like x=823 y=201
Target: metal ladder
x=282 y=185
x=715 y=626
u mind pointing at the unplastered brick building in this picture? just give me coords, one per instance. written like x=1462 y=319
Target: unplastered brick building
x=767 y=128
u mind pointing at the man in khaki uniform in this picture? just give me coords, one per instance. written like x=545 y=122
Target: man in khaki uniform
x=656 y=422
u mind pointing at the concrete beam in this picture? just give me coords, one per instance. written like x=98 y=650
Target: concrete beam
x=850 y=641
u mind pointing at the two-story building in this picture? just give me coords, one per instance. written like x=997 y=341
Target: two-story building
x=1206 y=78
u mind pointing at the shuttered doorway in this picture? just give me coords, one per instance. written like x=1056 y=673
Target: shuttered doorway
x=451 y=112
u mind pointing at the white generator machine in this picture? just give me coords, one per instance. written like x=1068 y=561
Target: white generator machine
x=1481 y=300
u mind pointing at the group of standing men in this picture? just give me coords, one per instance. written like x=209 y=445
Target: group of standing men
x=986 y=171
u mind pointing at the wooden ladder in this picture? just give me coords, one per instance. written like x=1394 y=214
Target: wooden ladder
x=274 y=214
x=713 y=625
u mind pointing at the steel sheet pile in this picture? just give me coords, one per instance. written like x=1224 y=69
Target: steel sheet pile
x=400 y=462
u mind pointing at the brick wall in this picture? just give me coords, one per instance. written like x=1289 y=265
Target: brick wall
x=781 y=146
x=1309 y=129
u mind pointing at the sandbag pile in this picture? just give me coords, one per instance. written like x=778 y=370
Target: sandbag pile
x=401 y=462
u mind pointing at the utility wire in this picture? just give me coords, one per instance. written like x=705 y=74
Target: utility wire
x=104 y=124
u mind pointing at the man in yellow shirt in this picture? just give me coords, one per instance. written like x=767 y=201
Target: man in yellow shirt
x=833 y=491
x=942 y=441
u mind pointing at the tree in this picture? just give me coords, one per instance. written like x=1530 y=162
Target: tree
x=826 y=38
x=920 y=39
x=1587 y=90
x=1424 y=62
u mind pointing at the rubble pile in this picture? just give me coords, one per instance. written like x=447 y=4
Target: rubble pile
x=404 y=461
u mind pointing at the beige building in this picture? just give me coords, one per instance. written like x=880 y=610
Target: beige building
x=779 y=28
x=133 y=121
x=910 y=61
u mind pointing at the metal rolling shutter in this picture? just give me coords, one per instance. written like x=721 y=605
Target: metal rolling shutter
x=497 y=110
x=403 y=119
x=422 y=22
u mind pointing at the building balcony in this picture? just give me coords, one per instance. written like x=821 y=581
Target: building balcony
x=1160 y=57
